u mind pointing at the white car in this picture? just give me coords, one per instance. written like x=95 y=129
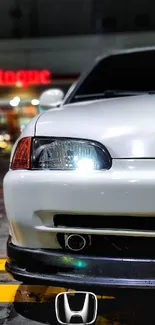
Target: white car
x=80 y=191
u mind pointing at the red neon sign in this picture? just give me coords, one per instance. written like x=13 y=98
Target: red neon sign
x=24 y=78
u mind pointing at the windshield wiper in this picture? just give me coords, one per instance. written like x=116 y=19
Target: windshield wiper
x=111 y=94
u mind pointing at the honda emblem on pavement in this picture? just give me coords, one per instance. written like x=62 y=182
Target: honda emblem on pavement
x=76 y=307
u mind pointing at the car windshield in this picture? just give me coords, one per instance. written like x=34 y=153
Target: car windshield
x=119 y=75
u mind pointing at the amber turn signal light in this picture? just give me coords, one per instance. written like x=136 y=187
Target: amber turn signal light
x=22 y=155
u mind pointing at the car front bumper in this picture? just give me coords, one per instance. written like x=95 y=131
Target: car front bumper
x=67 y=270
x=33 y=198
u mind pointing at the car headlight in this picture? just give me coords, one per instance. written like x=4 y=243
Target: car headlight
x=68 y=154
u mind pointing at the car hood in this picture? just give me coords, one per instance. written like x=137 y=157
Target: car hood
x=125 y=126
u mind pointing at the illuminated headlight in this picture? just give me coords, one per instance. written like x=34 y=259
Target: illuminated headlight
x=68 y=154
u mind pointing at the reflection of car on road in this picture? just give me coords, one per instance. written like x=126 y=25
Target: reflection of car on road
x=80 y=191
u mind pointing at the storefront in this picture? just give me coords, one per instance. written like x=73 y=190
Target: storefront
x=19 y=98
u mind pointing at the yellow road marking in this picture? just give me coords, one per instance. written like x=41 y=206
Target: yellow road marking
x=25 y=293
x=2 y=264
x=32 y=293
x=8 y=292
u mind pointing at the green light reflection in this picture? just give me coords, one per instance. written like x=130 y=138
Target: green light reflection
x=74 y=262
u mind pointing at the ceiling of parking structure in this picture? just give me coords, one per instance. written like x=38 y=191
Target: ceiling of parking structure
x=124 y=15
x=47 y=18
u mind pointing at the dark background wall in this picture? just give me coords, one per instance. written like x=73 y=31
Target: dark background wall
x=46 y=18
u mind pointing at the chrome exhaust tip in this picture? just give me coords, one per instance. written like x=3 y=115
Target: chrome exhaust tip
x=76 y=242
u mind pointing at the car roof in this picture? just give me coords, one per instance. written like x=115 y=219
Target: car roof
x=125 y=51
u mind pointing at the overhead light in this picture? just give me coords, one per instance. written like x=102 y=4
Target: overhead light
x=19 y=84
x=6 y=137
x=15 y=101
x=35 y=102
x=3 y=144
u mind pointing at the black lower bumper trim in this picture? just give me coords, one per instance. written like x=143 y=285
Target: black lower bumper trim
x=73 y=270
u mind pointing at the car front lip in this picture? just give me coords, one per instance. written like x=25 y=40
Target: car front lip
x=72 y=270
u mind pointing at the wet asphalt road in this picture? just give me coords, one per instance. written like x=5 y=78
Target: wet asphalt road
x=127 y=307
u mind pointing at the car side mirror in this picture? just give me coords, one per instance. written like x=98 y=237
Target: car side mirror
x=51 y=98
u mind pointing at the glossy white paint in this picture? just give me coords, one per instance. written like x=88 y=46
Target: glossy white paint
x=125 y=126
x=32 y=197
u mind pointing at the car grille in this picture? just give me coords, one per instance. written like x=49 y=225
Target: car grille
x=112 y=246
x=103 y=221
